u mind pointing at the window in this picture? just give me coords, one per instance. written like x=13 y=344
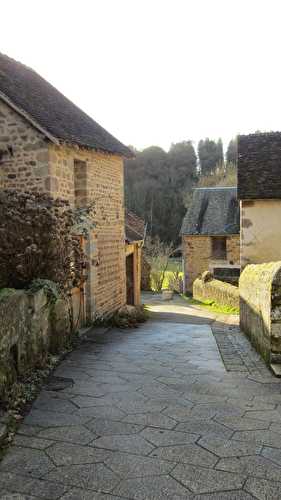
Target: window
x=80 y=183
x=219 y=248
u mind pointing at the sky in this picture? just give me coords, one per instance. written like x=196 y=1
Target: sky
x=156 y=72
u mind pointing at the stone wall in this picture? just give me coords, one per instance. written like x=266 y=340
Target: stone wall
x=196 y=251
x=260 y=308
x=23 y=154
x=222 y=293
x=233 y=249
x=104 y=185
x=29 y=162
x=30 y=328
x=197 y=256
x=145 y=274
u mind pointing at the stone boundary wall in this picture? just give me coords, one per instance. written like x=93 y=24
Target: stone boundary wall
x=30 y=328
x=222 y=293
x=260 y=308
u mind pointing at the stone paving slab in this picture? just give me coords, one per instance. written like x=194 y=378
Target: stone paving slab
x=180 y=408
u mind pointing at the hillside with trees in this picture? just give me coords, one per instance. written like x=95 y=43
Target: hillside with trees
x=158 y=184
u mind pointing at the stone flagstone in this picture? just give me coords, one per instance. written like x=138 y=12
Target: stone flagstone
x=153 y=415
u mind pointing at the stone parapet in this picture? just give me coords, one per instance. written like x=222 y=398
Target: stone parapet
x=222 y=293
x=260 y=308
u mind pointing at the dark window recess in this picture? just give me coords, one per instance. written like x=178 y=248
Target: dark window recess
x=219 y=248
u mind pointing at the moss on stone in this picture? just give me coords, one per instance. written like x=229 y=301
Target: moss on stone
x=6 y=292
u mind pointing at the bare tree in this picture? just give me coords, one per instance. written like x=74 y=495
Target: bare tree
x=157 y=254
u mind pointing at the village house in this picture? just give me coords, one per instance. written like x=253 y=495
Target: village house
x=210 y=235
x=47 y=144
x=135 y=235
x=259 y=192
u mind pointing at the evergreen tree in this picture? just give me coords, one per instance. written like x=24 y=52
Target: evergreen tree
x=210 y=155
x=231 y=152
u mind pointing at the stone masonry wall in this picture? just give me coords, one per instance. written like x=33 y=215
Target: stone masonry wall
x=105 y=187
x=233 y=248
x=23 y=154
x=222 y=293
x=29 y=329
x=197 y=255
x=260 y=308
x=36 y=164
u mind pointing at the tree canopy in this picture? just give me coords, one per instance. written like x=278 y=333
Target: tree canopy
x=158 y=184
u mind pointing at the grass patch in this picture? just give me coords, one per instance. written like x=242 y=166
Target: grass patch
x=6 y=292
x=168 y=277
x=212 y=306
x=174 y=266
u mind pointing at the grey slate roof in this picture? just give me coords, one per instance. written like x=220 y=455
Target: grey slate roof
x=134 y=227
x=259 y=166
x=51 y=110
x=213 y=211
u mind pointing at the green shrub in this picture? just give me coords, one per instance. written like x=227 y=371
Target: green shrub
x=36 y=241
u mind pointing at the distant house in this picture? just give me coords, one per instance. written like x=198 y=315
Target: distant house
x=135 y=235
x=259 y=192
x=210 y=232
x=48 y=144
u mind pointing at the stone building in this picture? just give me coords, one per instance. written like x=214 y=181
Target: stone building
x=210 y=235
x=135 y=235
x=259 y=192
x=47 y=144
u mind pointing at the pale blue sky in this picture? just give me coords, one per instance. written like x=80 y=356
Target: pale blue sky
x=156 y=71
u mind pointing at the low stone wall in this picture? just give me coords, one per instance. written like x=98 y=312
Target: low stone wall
x=30 y=328
x=260 y=308
x=207 y=288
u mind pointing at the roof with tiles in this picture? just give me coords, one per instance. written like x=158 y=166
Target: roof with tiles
x=259 y=166
x=38 y=100
x=213 y=211
x=134 y=227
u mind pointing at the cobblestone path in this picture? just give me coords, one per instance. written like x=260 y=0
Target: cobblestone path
x=153 y=413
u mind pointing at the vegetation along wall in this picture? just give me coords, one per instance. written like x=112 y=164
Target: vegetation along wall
x=28 y=161
x=30 y=328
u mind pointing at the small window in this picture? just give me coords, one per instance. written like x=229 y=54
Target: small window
x=219 y=248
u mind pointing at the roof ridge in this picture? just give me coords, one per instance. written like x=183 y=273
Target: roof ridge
x=52 y=110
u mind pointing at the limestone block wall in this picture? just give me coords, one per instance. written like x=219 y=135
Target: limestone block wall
x=29 y=329
x=197 y=255
x=196 y=251
x=233 y=248
x=104 y=185
x=260 y=308
x=30 y=162
x=222 y=293
x=24 y=158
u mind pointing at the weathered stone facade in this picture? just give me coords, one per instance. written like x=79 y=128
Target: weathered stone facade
x=197 y=255
x=233 y=249
x=260 y=231
x=29 y=161
x=23 y=153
